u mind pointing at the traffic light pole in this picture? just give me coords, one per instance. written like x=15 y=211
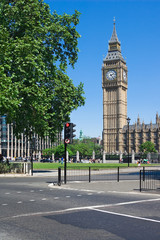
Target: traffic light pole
x=68 y=139
x=32 y=162
x=65 y=163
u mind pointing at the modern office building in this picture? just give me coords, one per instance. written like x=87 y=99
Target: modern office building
x=11 y=147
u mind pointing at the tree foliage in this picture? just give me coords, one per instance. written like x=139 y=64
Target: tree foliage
x=85 y=149
x=147 y=147
x=36 y=47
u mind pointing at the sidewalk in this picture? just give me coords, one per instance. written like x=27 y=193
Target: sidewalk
x=36 y=173
x=102 y=186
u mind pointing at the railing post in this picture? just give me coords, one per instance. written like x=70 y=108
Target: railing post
x=89 y=174
x=140 y=181
x=59 y=176
x=143 y=173
x=118 y=174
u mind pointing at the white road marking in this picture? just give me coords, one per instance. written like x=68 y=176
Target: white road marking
x=41 y=190
x=91 y=208
x=68 y=196
x=44 y=199
x=19 y=202
x=56 y=197
x=7 y=193
x=134 y=193
x=18 y=192
x=75 y=189
x=4 y=204
x=79 y=195
x=90 y=194
x=126 y=215
x=94 y=191
x=87 y=190
x=32 y=191
x=32 y=200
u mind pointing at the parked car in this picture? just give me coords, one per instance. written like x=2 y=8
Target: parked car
x=46 y=160
x=19 y=159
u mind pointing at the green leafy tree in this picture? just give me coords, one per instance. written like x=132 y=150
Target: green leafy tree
x=85 y=149
x=60 y=151
x=147 y=147
x=48 y=152
x=36 y=47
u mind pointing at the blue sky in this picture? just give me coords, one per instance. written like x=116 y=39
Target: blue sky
x=138 y=30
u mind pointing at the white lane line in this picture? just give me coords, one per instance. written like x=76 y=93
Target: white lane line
x=82 y=208
x=18 y=192
x=44 y=199
x=135 y=202
x=79 y=195
x=90 y=194
x=68 y=196
x=126 y=215
x=56 y=197
x=7 y=193
x=32 y=191
x=41 y=190
x=4 y=204
x=32 y=200
x=19 y=202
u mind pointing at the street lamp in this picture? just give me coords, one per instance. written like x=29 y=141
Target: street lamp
x=128 y=121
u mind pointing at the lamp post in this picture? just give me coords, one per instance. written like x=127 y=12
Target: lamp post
x=128 y=121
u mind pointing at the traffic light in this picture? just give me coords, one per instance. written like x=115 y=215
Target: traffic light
x=72 y=131
x=34 y=143
x=68 y=132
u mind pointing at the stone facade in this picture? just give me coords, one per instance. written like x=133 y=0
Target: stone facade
x=140 y=133
x=114 y=85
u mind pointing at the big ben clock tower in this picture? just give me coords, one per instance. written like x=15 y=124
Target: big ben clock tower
x=114 y=84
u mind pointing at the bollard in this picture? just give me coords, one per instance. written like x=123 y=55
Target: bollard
x=59 y=176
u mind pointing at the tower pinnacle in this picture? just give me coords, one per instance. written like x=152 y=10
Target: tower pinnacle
x=114 y=38
x=114 y=50
x=114 y=20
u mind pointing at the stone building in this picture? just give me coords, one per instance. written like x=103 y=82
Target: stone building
x=115 y=127
x=140 y=133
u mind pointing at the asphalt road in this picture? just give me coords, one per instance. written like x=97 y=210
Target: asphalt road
x=33 y=208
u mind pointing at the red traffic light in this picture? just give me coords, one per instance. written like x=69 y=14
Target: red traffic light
x=67 y=124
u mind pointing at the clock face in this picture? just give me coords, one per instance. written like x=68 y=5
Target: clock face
x=111 y=75
x=124 y=76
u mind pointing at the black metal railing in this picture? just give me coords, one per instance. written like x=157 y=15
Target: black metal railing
x=149 y=180
x=92 y=173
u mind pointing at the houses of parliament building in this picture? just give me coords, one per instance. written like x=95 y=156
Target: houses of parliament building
x=118 y=135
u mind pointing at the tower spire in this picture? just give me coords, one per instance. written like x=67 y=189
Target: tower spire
x=114 y=38
x=114 y=49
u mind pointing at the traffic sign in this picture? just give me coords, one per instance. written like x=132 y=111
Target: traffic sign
x=67 y=141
